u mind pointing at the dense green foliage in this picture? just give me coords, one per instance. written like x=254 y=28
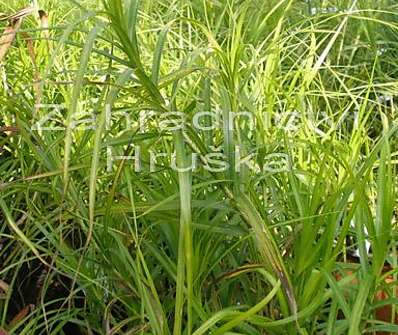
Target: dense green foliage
x=91 y=245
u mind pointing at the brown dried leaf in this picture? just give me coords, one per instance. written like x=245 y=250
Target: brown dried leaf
x=8 y=130
x=32 y=55
x=4 y=287
x=18 y=15
x=44 y=23
x=3 y=332
x=10 y=32
x=22 y=314
x=8 y=37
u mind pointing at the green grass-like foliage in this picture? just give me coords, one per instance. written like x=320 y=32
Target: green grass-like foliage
x=90 y=245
